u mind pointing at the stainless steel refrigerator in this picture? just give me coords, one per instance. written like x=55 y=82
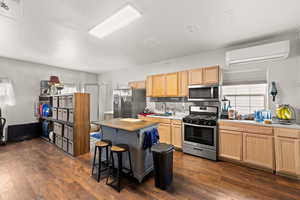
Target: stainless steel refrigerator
x=128 y=103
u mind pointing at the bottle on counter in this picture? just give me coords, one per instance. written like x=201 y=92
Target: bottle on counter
x=231 y=113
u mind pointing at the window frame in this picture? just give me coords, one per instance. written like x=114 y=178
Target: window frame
x=266 y=99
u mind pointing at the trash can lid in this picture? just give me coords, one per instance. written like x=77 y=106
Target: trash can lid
x=162 y=147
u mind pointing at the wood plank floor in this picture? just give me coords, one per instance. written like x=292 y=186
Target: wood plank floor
x=37 y=170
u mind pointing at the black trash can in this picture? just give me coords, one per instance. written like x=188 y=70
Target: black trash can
x=163 y=164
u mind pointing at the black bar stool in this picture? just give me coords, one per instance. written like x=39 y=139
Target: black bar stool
x=99 y=146
x=118 y=150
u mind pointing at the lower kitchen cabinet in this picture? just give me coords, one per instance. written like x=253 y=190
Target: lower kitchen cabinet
x=164 y=131
x=230 y=144
x=288 y=156
x=261 y=146
x=177 y=135
x=287 y=148
x=259 y=150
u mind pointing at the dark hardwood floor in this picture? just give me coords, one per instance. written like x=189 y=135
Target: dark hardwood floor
x=38 y=170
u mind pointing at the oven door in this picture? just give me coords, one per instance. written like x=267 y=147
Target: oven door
x=203 y=93
x=200 y=136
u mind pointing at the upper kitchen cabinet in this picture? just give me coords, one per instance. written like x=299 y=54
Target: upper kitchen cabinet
x=211 y=75
x=137 y=84
x=149 y=88
x=158 y=85
x=183 y=84
x=204 y=76
x=196 y=77
x=171 y=85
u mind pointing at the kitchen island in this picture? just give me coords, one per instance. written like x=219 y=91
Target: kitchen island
x=132 y=133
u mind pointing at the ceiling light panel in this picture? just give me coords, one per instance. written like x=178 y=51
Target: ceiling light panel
x=122 y=18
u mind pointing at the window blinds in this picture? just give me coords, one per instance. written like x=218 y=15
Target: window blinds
x=244 y=76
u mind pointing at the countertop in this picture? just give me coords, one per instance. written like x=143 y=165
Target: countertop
x=292 y=126
x=125 y=125
x=176 y=117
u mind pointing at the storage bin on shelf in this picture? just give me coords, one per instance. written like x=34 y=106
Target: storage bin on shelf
x=54 y=113
x=55 y=102
x=58 y=128
x=71 y=116
x=65 y=115
x=65 y=144
x=58 y=141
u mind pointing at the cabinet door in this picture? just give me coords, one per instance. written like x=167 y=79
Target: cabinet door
x=132 y=84
x=230 y=144
x=149 y=86
x=211 y=75
x=287 y=155
x=196 y=77
x=171 y=88
x=177 y=136
x=158 y=85
x=164 y=131
x=183 y=84
x=137 y=84
x=258 y=150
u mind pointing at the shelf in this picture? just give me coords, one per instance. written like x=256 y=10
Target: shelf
x=56 y=120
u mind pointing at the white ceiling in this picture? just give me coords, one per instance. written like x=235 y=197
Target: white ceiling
x=55 y=32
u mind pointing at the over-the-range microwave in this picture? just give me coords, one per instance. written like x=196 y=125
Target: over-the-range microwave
x=203 y=93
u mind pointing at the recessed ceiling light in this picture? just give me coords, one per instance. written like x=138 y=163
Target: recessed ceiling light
x=122 y=18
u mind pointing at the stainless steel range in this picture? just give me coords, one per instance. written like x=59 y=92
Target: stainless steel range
x=200 y=132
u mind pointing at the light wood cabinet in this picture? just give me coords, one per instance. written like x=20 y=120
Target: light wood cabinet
x=211 y=75
x=230 y=144
x=287 y=148
x=158 y=85
x=262 y=146
x=149 y=87
x=170 y=131
x=183 y=84
x=137 y=84
x=177 y=133
x=171 y=85
x=196 y=77
x=164 y=131
x=287 y=156
x=258 y=150
x=176 y=84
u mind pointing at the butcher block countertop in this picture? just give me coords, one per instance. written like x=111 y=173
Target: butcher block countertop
x=118 y=123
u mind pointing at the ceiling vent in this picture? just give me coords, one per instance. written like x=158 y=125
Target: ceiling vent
x=263 y=53
x=11 y=8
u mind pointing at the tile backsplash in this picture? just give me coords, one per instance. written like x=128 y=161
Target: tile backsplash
x=178 y=106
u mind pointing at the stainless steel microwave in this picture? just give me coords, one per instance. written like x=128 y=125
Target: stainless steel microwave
x=203 y=93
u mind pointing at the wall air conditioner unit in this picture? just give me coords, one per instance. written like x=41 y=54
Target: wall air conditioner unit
x=262 y=53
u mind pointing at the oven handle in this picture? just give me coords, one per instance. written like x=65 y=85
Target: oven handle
x=188 y=124
x=199 y=149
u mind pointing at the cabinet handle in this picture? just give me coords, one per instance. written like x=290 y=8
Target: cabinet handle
x=198 y=149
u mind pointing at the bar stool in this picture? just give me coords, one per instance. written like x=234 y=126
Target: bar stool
x=118 y=149
x=99 y=146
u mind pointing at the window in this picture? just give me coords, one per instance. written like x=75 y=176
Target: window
x=246 y=98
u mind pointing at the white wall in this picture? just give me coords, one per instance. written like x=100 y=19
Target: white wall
x=26 y=77
x=286 y=73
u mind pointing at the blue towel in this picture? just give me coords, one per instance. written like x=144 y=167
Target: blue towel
x=97 y=135
x=151 y=137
